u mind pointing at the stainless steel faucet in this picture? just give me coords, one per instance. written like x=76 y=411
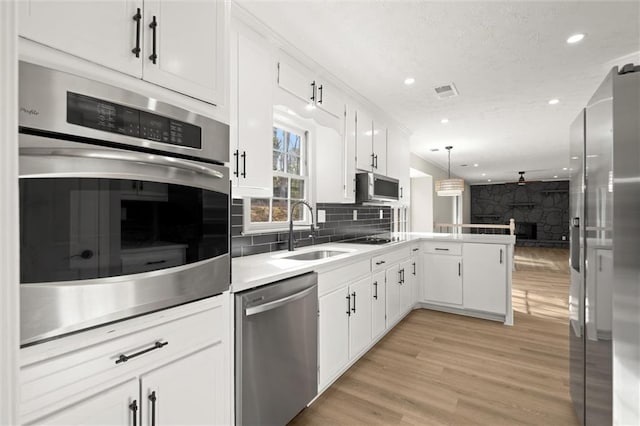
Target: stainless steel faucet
x=291 y=239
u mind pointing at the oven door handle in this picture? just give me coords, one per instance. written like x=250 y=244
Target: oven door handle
x=135 y=157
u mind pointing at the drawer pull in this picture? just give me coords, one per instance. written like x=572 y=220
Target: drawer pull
x=380 y=262
x=442 y=249
x=125 y=358
x=415 y=249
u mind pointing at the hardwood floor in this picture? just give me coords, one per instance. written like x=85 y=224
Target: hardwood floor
x=438 y=368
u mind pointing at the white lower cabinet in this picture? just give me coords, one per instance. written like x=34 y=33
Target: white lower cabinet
x=442 y=278
x=407 y=287
x=378 y=304
x=333 y=334
x=188 y=391
x=118 y=405
x=393 y=294
x=111 y=375
x=360 y=316
x=344 y=327
x=485 y=277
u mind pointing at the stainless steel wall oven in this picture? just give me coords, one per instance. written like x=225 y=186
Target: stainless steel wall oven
x=124 y=204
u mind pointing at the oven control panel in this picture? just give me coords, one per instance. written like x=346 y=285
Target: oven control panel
x=110 y=117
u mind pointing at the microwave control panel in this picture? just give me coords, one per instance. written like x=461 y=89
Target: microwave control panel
x=110 y=117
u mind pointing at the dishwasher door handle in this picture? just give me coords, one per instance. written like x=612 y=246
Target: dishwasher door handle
x=277 y=303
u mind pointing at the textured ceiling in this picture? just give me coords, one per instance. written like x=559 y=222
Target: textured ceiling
x=507 y=59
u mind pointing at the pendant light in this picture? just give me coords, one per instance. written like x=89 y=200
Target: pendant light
x=449 y=187
x=521 y=181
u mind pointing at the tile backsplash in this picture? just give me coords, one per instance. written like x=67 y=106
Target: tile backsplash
x=339 y=225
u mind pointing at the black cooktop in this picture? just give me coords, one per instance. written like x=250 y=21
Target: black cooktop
x=370 y=240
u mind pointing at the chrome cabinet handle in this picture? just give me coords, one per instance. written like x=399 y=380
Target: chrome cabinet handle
x=153 y=25
x=157 y=345
x=134 y=157
x=137 y=17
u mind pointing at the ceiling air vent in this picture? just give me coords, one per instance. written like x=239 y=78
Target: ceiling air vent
x=446 y=91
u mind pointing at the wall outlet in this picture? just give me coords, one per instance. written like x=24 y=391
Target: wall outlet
x=322 y=216
x=381 y=214
x=564 y=238
x=355 y=215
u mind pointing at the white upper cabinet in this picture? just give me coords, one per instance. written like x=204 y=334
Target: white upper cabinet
x=364 y=141
x=312 y=90
x=398 y=163
x=179 y=45
x=379 y=149
x=251 y=104
x=184 y=47
x=99 y=31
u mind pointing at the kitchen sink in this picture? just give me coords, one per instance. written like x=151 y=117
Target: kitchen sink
x=315 y=255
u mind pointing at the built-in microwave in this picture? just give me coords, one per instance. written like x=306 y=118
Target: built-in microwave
x=124 y=204
x=371 y=187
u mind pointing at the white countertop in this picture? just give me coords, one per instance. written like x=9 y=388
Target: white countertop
x=259 y=269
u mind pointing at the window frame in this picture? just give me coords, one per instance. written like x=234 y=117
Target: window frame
x=249 y=227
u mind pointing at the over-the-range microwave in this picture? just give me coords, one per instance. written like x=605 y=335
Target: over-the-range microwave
x=371 y=187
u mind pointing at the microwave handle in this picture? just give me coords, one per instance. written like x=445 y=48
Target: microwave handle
x=157 y=160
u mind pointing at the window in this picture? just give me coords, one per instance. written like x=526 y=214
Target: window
x=289 y=180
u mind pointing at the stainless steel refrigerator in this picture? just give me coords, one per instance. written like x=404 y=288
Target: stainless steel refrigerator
x=604 y=299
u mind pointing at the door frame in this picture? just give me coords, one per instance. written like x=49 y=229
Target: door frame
x=9 y=243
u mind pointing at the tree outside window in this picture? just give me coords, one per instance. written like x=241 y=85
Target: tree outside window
x=289 y=180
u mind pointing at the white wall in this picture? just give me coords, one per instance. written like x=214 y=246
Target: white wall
x=9 y=278
x=422 y=204
x=442 y=206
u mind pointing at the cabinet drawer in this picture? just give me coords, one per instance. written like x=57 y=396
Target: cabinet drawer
x=50 y=381
x=329 y=281
x=443 y=248
x=383 y=261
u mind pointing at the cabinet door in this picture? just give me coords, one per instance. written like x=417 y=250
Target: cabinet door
x=330 y=170
x=393 y=294
x=360 y=320
x=333 y=331
x=350 y=156
x=364 y=141
x=442 y=278
x=113 y=406
x=189 y=391
x=408 y=287
x=295 y=82
x=379 y=149
x=485 y=277
x=378 y=304
x=190 y=47
x=398 y=163
x=329 y=99
x=253 y=103
x=99 y=31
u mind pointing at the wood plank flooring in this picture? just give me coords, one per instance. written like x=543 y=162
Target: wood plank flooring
x=436 y=368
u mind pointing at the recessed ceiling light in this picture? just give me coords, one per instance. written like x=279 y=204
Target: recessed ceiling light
x=575 y=38
x=484 y=174
x=488 y=180
x=574 y=158
x=409 y=81
x=434 y=149
x=463 y=165
x=555 y=177
x=444 y=120
x=476 y=165
x=554 y=101
x=564 y=168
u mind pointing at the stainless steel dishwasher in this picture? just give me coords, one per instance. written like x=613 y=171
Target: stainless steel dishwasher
x=276 y=350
